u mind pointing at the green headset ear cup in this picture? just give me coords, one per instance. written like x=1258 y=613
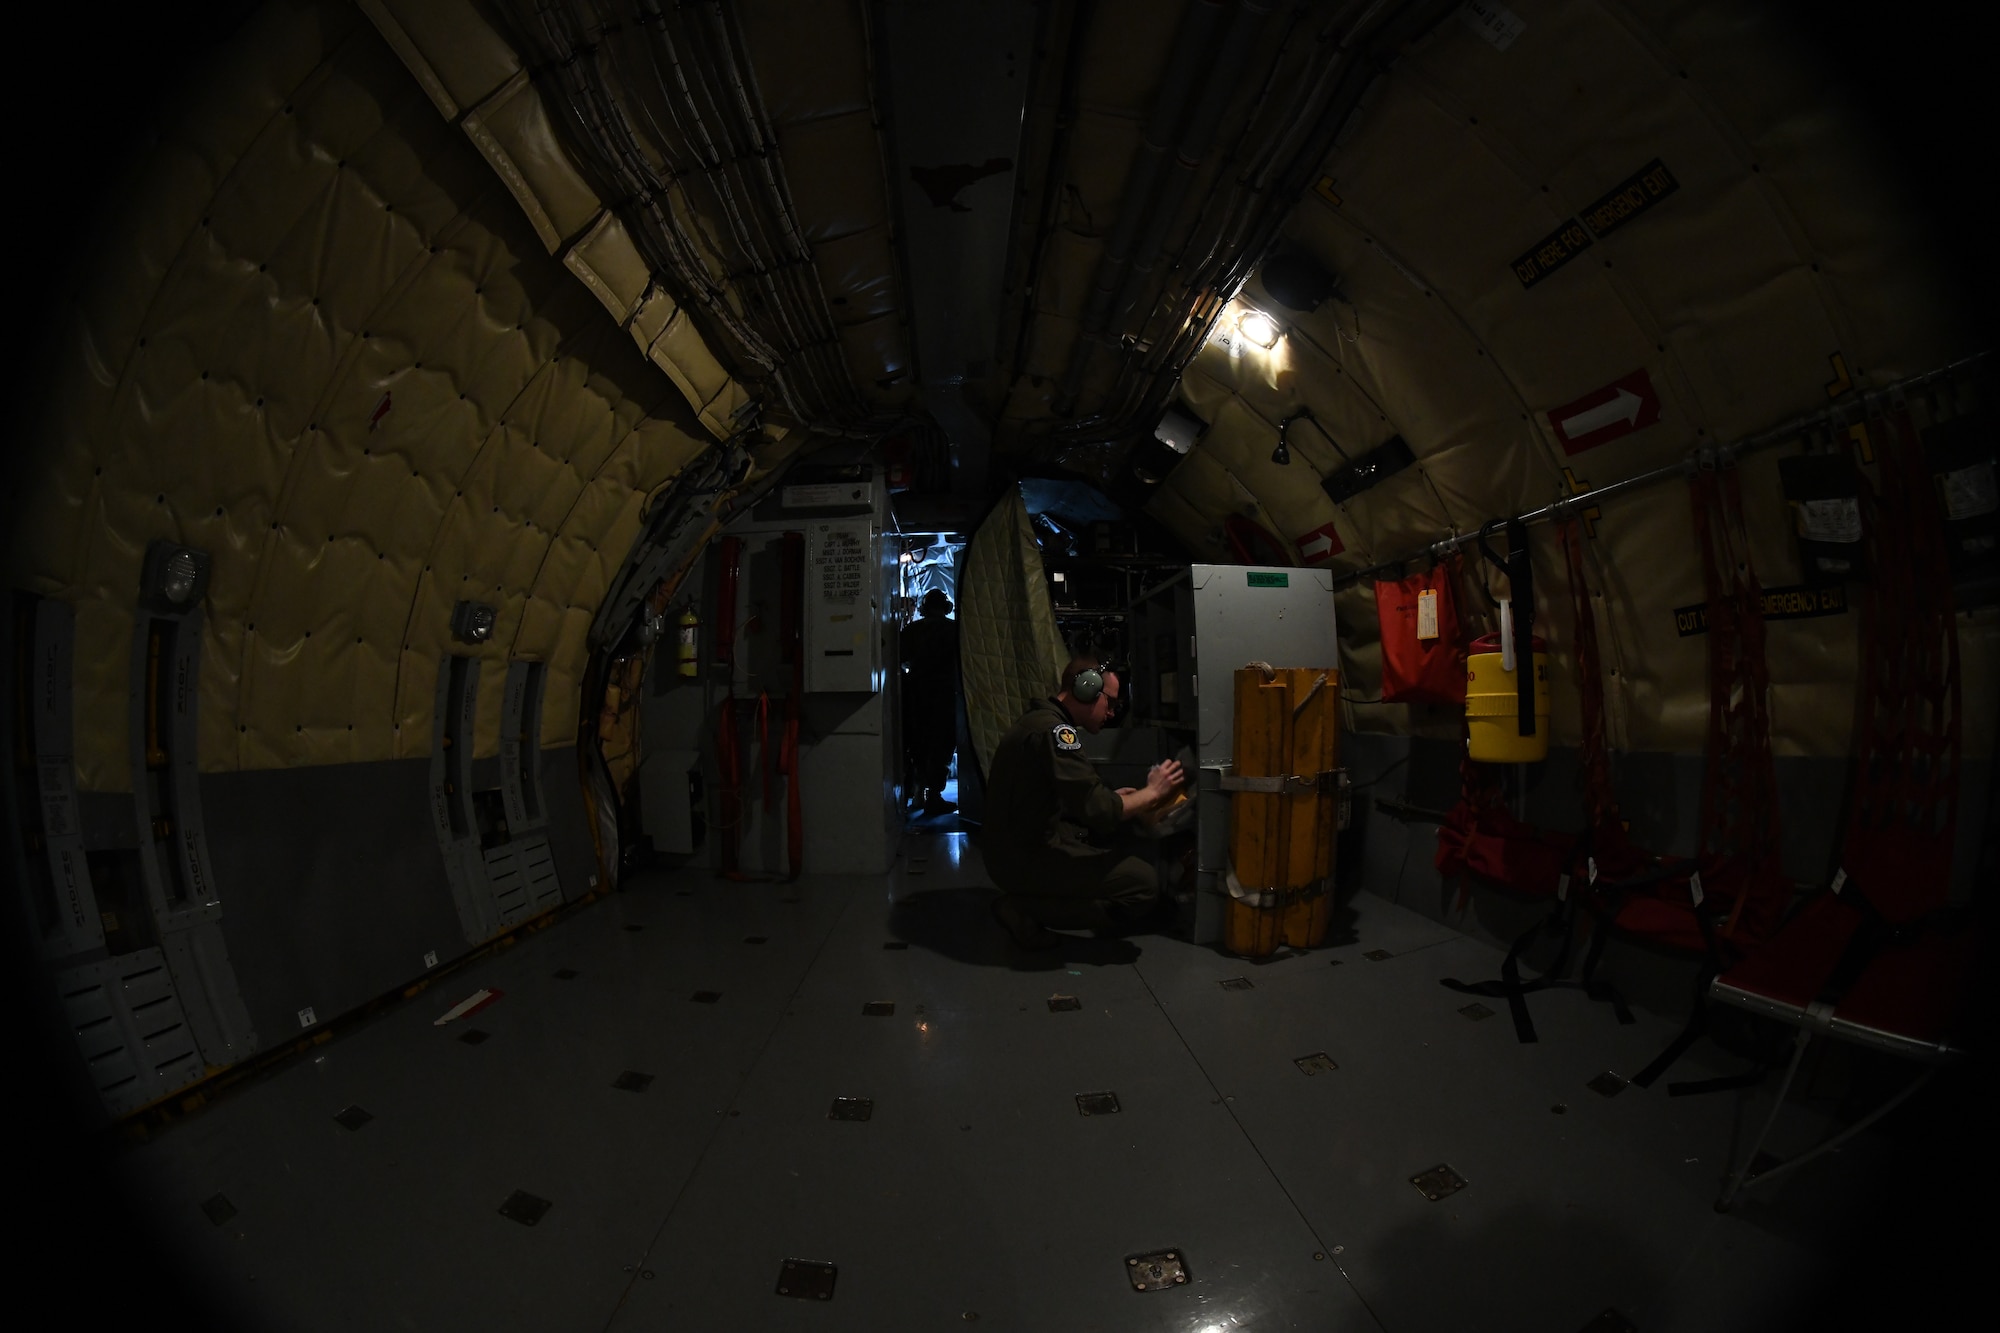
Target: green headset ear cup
x=1087 y=685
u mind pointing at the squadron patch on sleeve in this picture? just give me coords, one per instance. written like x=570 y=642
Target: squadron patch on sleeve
x=1066 y=737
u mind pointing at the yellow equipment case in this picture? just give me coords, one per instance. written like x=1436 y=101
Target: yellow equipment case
x=1284 y=808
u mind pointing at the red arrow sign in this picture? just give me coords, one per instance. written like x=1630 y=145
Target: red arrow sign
x=1619 y=408
x=1320 y=545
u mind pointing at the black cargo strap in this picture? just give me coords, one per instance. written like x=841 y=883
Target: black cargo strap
x=1600 y=990
x=1510 y=986
x=1696 y=1025
x=1726 y=1083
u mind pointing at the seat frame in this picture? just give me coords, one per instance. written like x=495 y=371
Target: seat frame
x=1816 y=1020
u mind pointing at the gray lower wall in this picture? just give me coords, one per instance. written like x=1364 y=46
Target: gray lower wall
x=569 y=823
x=332 y=884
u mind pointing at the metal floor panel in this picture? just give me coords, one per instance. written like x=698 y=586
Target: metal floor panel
x=976 y=1192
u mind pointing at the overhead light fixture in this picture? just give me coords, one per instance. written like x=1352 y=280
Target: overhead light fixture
x=182 y=572
x=1259 y=328
x=1178 y=430
x=175 y=577
x=1282 y=455
x=472 y=622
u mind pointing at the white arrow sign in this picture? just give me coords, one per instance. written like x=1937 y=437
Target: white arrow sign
x=1625 y=407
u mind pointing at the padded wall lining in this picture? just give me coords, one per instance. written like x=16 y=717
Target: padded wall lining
x=474 y=78
x=325 y=347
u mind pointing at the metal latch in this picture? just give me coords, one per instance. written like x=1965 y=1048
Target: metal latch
x=1289 y=785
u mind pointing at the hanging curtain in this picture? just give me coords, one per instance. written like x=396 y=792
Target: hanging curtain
x=1011 y=652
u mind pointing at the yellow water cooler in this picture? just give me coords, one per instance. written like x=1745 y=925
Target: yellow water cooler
x=1493 y=706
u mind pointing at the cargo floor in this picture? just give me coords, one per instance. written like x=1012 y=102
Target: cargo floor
x=644 y=1136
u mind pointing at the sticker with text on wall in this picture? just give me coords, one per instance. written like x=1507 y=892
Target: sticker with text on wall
x=1570 y=239
x=1427 y=614
x=1969 y=492
x=1834 y=520
x=1797 y=602
x=1629 y=198
x=307 y=1017
x=1839 y=878
x=1592 y=862
x=1498 y=24
x=431 y=958
x=1694 y=888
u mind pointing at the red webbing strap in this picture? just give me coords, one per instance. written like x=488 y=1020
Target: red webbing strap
x=1904 y=812
x=1739 y=794
x=1480 y=837
x=729 y=550
x=728 y=755
x=1600 y=804
x=764 y=758
x=791 y=633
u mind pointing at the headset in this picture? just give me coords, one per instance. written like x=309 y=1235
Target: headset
x=1088 y=683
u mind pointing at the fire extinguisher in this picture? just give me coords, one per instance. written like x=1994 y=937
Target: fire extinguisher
x=686 y=655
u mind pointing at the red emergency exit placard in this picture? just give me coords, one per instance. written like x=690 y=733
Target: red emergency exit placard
x=1602 y=415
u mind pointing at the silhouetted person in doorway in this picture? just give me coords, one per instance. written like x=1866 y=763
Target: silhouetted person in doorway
x=930 y=698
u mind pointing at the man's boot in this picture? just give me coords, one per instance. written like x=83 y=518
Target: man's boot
x=1023 y=929
x=1155 y=916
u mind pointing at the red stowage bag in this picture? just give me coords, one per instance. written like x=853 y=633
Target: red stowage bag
x=1414 y=670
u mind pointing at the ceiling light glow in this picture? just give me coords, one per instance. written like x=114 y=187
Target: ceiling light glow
x=1259 y=328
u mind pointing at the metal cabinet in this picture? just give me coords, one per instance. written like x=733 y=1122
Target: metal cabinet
x=1234 y=615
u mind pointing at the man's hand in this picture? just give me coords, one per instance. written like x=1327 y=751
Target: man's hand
x=1162 y=781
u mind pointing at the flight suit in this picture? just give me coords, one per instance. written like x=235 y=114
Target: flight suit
x=1043 y=799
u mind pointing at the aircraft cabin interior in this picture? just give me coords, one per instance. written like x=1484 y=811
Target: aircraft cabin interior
x=1202 y=666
